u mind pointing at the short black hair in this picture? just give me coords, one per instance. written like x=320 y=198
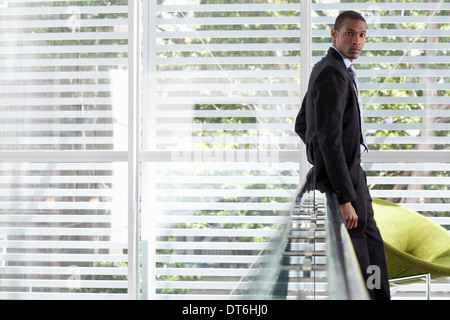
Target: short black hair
x=347 y=15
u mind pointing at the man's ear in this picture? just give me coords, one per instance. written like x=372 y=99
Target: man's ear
x=334 y=34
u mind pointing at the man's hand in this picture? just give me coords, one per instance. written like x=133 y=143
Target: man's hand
x=349 y=215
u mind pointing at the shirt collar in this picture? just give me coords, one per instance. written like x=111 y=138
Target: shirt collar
x=347 y=62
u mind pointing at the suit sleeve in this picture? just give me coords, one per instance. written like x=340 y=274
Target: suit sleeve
x=330 y=102
x=300 y=122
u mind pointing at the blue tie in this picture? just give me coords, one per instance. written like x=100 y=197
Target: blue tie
x=352 y=72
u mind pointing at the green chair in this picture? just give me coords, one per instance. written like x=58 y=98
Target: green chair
x=414 y=244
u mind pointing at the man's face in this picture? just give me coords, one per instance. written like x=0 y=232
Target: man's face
x=350 y=38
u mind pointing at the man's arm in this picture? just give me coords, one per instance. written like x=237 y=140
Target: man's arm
x=329 y=98
x=300 y=121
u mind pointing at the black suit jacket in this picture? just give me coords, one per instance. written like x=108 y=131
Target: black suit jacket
x=329 y=125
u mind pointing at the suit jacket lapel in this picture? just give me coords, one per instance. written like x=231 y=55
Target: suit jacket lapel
x=335 y=56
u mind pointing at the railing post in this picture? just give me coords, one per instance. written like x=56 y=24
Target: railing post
x=134 y=51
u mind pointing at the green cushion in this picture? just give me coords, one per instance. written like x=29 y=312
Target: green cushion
x=413 y=243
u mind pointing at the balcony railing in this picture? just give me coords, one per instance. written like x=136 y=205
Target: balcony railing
x=311 y=258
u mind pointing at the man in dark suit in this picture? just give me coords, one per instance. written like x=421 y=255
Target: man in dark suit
x=330 y=124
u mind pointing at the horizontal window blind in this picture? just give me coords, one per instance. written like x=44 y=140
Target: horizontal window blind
x=63 y=80
x=63 y=75
x=62 y=231
x=222 y=84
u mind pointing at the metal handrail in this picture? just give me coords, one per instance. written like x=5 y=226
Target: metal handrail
x=345 y=280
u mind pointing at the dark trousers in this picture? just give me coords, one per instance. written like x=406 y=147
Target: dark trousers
x=368 y=244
